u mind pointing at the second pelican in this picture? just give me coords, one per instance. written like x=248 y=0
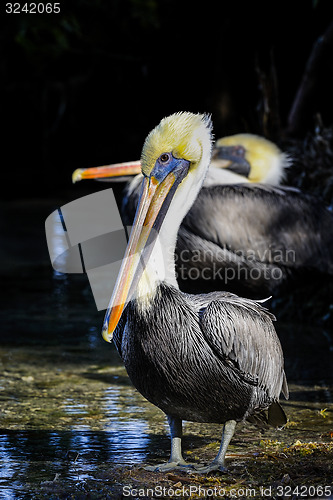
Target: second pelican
x=251 y=239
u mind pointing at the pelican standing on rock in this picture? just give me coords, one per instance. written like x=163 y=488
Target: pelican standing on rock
x=204 y=358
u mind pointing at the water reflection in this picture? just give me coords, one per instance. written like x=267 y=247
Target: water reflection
x=67 y=418
x=30 y=458
x=105 y=422
x=128 y=438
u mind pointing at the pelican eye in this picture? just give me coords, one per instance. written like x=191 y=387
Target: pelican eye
x=239 y=151
x=165 y=158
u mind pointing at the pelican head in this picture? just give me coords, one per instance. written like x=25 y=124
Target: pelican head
x=263 y=160
x=174 y=159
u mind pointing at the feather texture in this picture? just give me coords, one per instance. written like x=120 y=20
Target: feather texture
x=205 y=358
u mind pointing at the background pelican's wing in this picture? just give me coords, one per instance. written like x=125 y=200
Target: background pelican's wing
x=207 y=266
x=265 y=224
x=241 y=333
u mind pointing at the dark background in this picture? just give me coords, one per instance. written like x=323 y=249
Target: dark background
x=84 y=87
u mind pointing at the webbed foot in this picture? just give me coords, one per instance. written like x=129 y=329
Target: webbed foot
x=167 y=466
x=206 y=469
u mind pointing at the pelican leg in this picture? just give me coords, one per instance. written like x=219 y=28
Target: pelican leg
x=218 y=462
x=176 y=460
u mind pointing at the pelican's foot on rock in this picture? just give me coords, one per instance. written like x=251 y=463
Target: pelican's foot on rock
x=165 y=467
x=206 y=469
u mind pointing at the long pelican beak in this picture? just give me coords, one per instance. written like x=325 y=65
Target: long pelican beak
x=232 y=158
x=114 y=171
x=157 y=191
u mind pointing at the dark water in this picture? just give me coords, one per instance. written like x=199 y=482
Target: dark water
x=68 y=411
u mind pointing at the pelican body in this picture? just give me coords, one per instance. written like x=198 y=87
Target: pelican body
x=181 y=360
x=206 y=357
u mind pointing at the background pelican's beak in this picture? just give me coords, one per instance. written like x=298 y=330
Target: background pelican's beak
x=157 y=191
x=105 y=172
x=232 y=158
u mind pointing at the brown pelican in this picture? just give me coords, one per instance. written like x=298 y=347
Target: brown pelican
x=204 y=358
x=248 y=238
